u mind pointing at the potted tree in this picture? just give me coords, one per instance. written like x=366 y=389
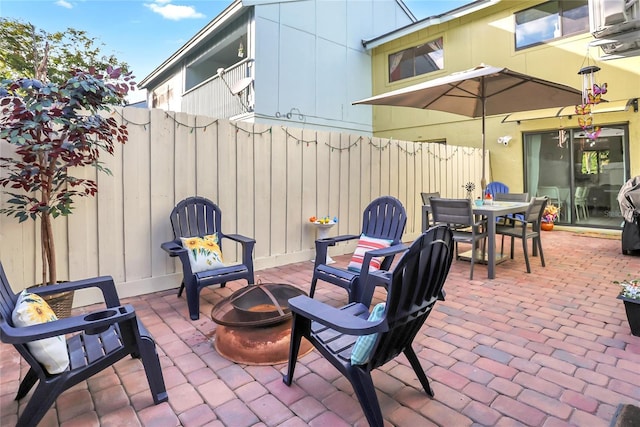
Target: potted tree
x=54 y=130
x=630 y=294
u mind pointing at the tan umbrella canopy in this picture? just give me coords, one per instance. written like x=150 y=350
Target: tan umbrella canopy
x=481 y=91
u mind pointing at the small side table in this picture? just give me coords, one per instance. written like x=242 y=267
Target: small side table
x=323 y=233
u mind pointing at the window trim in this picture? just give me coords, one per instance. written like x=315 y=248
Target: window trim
x=439 y=39
x=562 y=35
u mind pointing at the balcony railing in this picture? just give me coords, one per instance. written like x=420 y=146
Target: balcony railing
x=214 y=97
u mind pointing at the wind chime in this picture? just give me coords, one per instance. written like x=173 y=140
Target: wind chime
x=591 y=95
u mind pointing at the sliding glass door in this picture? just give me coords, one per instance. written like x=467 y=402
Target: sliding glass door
x=581 y=176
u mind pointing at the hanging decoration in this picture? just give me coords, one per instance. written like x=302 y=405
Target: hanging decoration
x=591 y=95
x=432 y=150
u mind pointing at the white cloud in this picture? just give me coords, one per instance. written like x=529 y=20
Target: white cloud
x=172 y=11
x=64 y=3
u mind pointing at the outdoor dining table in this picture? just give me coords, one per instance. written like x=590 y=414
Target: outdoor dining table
x=491 y=212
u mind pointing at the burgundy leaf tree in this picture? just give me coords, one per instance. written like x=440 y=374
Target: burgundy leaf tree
x=55 y=130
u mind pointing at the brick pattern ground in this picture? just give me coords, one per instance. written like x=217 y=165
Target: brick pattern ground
x=550 y=348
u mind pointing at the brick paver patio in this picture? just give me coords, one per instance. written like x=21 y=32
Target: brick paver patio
x=550 y=348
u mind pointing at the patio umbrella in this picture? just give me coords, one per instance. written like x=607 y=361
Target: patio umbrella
x=481 y=91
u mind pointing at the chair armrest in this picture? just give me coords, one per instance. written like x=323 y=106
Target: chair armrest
x=173 y=248
x=335 y=318
x=104 y=283
x=331 y=241
x=322 y=246
x=26 y=334
x=479 y=222
x=247 y=248
x=368 y=281
x=515 y=223
x=239 y=238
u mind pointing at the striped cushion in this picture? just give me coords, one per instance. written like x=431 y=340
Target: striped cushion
x=367 y=244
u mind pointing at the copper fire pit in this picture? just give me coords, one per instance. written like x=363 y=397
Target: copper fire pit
x=254 y=324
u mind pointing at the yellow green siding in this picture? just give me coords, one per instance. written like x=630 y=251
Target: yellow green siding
x=487 y=36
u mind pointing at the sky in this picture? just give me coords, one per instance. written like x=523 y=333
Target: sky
x=144 y=33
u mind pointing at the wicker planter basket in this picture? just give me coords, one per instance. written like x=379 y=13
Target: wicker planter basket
x=60 y=303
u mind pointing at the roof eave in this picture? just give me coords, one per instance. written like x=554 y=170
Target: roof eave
x=228 y=13
x=428 y=22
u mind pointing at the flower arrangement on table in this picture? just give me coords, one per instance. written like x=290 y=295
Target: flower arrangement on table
x=550 y=213
x=324 y=220
x=630 y=288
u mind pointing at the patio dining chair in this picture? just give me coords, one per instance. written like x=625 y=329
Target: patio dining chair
x=458 y=215
x=96 y=341
x=526 y=229
x=383 y=223
x=197 y=242
x=553 y=194
x=355 y=341
x=580 y=202
x=511 y=197
x=425 y=202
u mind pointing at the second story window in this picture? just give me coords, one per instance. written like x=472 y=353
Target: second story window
x=551 y=20
x=416 y=60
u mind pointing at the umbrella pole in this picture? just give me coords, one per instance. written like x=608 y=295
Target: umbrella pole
x=483 y=181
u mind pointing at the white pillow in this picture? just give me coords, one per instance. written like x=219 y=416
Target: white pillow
x=204 y=252
x=31 y=309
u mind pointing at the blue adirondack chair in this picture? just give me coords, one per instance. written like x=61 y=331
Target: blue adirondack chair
x=352 y=341
x=100 y=339
x=383 y=218
x=496 y=187
x=197 y=217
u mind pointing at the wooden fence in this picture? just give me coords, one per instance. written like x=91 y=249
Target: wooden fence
x=268 y=180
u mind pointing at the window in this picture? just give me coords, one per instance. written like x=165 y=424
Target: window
x=592 y=161
x=416 y=60
x=587 y=173
x=551 y=20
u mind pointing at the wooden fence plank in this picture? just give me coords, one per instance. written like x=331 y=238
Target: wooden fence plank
x=268 y=181
x=263 y=147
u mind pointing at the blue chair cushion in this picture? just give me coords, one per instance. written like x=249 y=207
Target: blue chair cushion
x=361 y=351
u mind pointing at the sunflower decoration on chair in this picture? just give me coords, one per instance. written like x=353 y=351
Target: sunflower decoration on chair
x=469 y=188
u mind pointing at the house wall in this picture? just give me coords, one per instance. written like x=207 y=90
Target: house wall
x=268 y=181
x=310 y=61
x=487 y=36
x=168 y=95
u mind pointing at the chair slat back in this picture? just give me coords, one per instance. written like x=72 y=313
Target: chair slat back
x=496 y=187
x=8 y=298
x=535 y=210
x=511 y=197
x=553 y=193
x=426 y=196
x=195 y=216
x=416 y=283
x=384 y=218
x=452 y=211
